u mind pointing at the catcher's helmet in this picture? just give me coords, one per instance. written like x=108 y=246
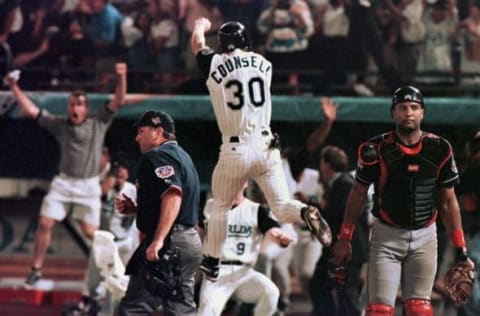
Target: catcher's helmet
x=407 y=94
x=233 y=35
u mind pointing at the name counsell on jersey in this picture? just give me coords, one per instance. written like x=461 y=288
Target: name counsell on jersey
x=237 y=62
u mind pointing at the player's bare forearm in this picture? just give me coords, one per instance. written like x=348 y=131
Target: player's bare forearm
x=450 y=209
x=318 y=136
x=26 y=105
x=280 y=237
x=356 y=201
x=197 y=41
x=120 y=89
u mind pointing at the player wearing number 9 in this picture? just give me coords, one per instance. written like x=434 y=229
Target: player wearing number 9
x=248 y=223
x=239 y=82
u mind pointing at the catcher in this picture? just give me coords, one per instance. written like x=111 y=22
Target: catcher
x=414 y=175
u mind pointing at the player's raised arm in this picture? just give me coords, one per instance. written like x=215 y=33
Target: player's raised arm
x=197 y=41
x=26 y=105
x=120 y=89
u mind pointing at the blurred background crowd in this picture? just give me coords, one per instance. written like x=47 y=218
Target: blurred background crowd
x=348 y=47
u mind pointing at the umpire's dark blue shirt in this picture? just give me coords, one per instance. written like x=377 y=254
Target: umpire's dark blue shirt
x=159 y=169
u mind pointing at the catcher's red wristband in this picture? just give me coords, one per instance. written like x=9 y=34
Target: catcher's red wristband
x=457 y=238
x=346 y=231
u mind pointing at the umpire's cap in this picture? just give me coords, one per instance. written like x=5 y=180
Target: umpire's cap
x=407 y=94
x=157 y=119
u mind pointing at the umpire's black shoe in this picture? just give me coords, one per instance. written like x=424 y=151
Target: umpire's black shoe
x=210 y=267
x=317 y=225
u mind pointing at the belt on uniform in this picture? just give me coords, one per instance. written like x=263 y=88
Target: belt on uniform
x=236 y=139
x=233 y=262
x=180 y=227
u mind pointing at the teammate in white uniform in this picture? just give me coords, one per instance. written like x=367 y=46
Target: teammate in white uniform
x=239 y=85
x=247 y=222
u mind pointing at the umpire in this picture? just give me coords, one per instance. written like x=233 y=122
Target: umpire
x=163 y=267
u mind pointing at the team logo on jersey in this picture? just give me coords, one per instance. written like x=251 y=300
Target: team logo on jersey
x=413 y=168
x=239 y=231
x=164 y=172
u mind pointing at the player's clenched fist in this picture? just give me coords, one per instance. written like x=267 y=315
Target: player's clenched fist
x=121 y=69
x=203 y=23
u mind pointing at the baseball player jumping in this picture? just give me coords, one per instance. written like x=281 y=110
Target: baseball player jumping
x=248 y=222
x=239 y=82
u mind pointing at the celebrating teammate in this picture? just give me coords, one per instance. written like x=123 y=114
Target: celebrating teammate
x=414 y=174
x=237 y=277
x=239 y=85
x=77 y=186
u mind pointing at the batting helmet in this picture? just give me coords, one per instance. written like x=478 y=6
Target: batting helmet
x=233 y=35
x=407 y=94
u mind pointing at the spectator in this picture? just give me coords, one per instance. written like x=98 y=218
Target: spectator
x=440 y=20
x=163 y=42
x=135 y=34
x=246 y=12
x=287 y=25
x=104 y=28
x=75 y=52
x=8 y=10
x=364 y=41
x=408 y=35
x=470 y=40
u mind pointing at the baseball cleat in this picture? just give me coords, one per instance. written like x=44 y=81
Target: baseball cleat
x=210 y=267
x=317 y=225
x=32 y=279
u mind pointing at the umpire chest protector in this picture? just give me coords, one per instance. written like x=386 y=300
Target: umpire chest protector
x=406 y=179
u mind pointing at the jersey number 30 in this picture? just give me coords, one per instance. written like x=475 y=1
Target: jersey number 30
x=256 y=92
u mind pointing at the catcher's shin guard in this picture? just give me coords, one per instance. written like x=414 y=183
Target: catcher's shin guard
x=379 y=310
x=417 y=307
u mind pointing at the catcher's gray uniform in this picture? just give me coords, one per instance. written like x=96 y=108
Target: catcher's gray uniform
x=246 y=223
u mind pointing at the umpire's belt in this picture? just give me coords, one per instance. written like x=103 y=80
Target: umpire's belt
x=238 y=139
x=180 y=227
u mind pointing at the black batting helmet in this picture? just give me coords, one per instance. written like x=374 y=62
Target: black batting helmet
x=407 y=94
x=233 y=35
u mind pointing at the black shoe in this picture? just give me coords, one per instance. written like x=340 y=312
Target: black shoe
x=86 y=307
x=210 y=267
x=32 y=279
x=317 y=225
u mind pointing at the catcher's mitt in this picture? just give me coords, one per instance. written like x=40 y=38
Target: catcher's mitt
x=459 y=281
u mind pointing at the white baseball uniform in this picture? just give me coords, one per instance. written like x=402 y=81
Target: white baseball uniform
x=246 y=223
x=239 y=86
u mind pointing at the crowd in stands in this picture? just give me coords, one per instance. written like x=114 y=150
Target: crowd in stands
x=356 y=47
